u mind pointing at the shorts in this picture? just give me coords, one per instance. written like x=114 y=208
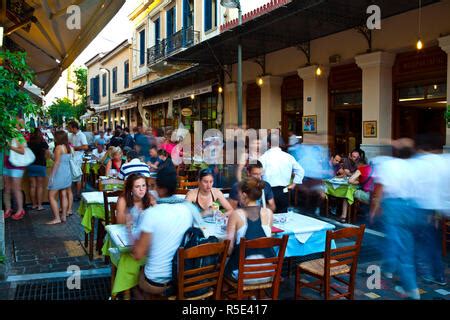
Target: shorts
x=13 y=173
x=362 y=196
x=37 y=171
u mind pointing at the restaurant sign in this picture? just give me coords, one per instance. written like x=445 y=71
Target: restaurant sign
x=186 y=112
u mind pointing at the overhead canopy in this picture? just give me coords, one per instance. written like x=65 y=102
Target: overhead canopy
x=297 y=22
x=41 y=28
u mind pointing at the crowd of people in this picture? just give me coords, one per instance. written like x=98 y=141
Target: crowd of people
x=408 y=190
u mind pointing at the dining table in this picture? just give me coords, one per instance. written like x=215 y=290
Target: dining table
x=307 y=236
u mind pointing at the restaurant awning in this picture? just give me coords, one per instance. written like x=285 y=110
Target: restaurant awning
x=292 y=24
x=49 y=32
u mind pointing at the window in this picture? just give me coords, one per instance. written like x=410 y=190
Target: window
x=95 y=90
x=210 y=14
x=126 y=74
x=104 y=85
x=157 y=31
x=114 y=80
x=142 y=47
x=188 y=13
x=170 y=28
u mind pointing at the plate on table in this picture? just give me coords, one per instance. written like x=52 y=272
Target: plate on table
x=209 y=219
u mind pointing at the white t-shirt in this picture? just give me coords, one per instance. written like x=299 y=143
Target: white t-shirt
x=78 y=140
x=167 y=224
x=97 y=154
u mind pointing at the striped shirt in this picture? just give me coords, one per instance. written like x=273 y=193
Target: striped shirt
x=134 y=166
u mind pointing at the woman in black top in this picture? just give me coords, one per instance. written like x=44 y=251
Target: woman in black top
x=37 y=171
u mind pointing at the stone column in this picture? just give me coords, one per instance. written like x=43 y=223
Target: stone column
x=271 y=102
x=230 y=105
x=315 y=102
x=444 y=43
x=377 y=100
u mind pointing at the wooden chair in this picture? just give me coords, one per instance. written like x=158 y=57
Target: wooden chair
x=335 y=264
x=85 y=175
x=110 y=217
x=210 y=276
x=251 y=269
x=188 y=184
x=445 y=235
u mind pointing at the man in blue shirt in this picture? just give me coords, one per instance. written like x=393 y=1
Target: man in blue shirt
x=256 y=171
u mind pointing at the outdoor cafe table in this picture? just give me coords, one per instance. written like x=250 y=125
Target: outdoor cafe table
x=110 y=184
x=340 y=188
x=306 y=236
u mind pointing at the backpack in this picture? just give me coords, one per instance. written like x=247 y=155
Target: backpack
x=194 y=237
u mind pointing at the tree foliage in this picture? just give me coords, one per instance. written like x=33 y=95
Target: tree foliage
x=14 y=100
x=62 y=109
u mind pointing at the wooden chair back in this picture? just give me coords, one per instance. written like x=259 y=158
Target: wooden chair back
x=110 y=208
x=188 y=184
x=261 y=268
x=210 y=276
x=345 y=255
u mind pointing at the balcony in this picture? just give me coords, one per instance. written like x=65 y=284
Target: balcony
x=165 y=48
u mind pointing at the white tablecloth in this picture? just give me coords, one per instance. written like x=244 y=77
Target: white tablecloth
x=302 y=226
x=96 y=197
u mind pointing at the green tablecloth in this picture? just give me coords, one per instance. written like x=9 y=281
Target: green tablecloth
x=343 y=191
x=113 y=186
x=88 y=211
x=92 y=166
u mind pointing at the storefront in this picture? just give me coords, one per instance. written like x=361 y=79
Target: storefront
x=420 y=95
x=292 y=106
x=345 y=108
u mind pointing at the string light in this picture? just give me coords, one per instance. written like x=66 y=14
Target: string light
x=192 y=96
x=220 y=89
x=260 y=81
x=419 y=44
x=318 y=71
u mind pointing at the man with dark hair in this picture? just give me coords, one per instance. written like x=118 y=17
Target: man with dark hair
x=256 y=171
x=128 y=141
x=161 y=233
x=133 y=165
x=351 y=163
x=79 y=142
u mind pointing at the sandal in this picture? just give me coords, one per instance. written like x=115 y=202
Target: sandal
x=40 y=209
x=342 y=220
x=7 y=213
x=18 y=215
x=53 y=222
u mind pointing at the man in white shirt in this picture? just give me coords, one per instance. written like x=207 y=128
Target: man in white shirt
x=278 y=169
x=161 y=232
x=133 y=165
x=99 y=152
x=79 y=143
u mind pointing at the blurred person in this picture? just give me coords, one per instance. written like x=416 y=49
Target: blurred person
x=37 y=171
x=100 y=138
x=60 y=180
x=115 y=162
x=394 y=181
x=266 y=200
x=164 y=160
x=133 y=166
x=107 y=156
x=249 y=222
x=429 y=169
x=79 y=144
x=336 y=165
x=108 y=135
x=205 y=195
x=278 y=169
x=168 y=144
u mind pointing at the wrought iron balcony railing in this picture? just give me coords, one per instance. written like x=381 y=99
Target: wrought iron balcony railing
x=184 y=38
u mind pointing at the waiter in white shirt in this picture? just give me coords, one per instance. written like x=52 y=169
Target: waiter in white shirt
x=79 y=143
x=278 y=168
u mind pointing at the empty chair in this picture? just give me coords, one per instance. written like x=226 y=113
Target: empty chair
x=335 y=264
x=255 y=276
x=205 y=281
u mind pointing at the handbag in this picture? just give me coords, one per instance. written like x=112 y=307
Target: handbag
x=21 y=160
x=75 y=169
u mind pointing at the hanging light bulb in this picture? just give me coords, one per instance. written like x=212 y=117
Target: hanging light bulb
x=318 y=71
x=260 y=81
x=220 y=89
x=419 y=44
x=192 y=96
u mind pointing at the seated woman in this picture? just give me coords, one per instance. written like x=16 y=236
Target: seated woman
x=115 y=162
x=205 y=194
x=252 y=222
x=131 y=204
x=363 y=177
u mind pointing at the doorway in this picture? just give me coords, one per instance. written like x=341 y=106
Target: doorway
x=253 y=106
x=347 y=130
